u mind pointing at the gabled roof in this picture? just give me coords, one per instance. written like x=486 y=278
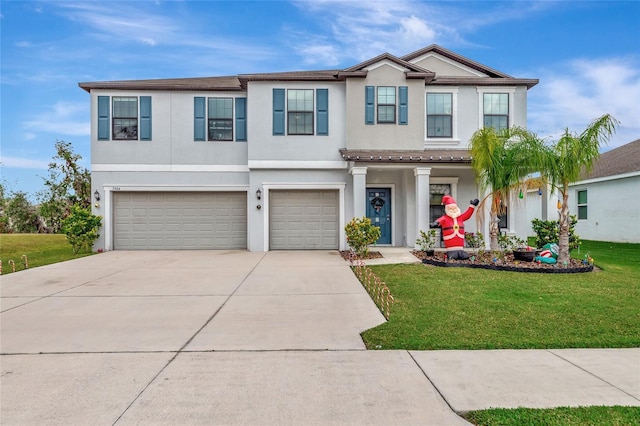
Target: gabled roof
x=239 y=82
x=624 y=159
x=414 y=71
x=455 y=57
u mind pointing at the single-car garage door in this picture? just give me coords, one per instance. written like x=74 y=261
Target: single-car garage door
x=179 y=220
x=303 y=220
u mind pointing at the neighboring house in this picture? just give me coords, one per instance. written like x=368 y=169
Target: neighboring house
x=607 y=201
x=285 y=160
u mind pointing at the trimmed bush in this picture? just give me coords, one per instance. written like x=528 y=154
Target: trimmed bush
x=361 y=233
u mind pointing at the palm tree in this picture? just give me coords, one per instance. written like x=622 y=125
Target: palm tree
x=501 y=160
x=569 y=159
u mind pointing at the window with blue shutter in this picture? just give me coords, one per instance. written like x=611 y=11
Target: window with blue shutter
x=403 y=112
x=199 y=120
x=103 y=118
x=241 y=119
x=278 y=111
x=322 y=112
x=145 y=118
x=369 y=99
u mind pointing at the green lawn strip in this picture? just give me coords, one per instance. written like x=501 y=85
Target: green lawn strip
x=563 y=416
x=460 y=308
x=41 y=249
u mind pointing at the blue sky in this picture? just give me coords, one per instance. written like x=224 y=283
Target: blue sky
x=585 y=53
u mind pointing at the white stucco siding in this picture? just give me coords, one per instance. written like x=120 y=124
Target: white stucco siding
x=385 y=136
x=613 y=210
x=445 y=67
x=264 y=145
x=172 y=141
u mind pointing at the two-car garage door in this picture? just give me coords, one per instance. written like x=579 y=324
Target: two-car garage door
x=179 y=220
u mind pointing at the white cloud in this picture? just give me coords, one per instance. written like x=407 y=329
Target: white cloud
x=572 y=94
x=23 y=163
x=62 y=118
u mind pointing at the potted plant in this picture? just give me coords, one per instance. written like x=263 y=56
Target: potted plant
x=522 y=251
x=427 y=241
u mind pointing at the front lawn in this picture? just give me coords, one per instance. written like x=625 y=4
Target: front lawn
x=460 y=308
x=40 y=249
x=563 y=416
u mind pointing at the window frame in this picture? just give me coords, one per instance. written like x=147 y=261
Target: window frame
x=450 y=115
x=115 y=135
x=210 y=119
x=493 y=115
x=582 y=206
x=386 y=105
x=511 y=100
x=306 y=113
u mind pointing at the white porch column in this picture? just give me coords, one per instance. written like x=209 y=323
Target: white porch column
x=359 y=191
x=422 y=176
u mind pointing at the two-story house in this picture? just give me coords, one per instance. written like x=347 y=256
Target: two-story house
x=285 y=160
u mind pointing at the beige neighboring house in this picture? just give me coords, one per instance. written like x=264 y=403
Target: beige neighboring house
x=607 y=201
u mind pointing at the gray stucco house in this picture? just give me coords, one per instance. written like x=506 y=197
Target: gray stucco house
x=283 y=160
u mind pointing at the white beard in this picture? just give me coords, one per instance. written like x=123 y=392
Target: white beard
x=452 y=210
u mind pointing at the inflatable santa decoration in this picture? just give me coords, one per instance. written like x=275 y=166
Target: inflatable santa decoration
x=452 y=224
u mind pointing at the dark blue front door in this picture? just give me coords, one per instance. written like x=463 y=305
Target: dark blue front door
x=379 y=211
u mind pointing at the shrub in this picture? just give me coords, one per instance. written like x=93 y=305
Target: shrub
x=360 y=234
x=81 y=228
x=427 y=240
x=474 y=240
x=548 y=231
x=509 y=243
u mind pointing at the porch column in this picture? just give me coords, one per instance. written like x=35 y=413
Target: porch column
x=422 y=175
x=359 y=191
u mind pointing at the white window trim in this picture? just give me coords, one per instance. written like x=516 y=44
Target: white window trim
x=578 y=205
x=511 y=91
x=454 y=139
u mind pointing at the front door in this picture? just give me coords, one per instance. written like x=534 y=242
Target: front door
x=379 y=211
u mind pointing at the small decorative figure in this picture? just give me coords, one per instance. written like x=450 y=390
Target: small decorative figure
x=549 y=254
x=452 y=224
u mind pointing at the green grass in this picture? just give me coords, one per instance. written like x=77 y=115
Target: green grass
x=41 y=249
x=564 y=416
x=460 y=308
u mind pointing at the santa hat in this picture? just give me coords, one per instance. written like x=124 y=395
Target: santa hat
x=448 y=199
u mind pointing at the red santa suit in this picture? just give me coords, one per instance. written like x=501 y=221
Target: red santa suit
x=452 y=224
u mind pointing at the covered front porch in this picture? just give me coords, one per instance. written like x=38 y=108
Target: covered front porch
x=401 y=191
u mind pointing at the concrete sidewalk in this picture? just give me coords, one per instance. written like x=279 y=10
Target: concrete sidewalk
x=245 y=338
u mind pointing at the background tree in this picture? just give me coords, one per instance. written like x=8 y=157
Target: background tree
x=501 y=161
x=568 y=160
x=68 y=184
x=21 y=215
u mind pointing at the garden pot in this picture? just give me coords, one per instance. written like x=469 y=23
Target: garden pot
x=524 y=255
x=430 y=252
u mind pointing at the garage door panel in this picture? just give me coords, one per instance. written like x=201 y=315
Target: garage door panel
x=303 y=219
x=174 y=220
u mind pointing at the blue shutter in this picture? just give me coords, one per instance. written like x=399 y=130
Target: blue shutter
x=322 y=111
x=145 y=118
x=103 y=118
x=403 y=116
x=241 y=119
x=369 y=99
x=199 y=118
x=278 y=111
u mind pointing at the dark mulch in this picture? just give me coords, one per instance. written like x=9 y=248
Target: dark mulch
x=347 y=255
x=502 y=262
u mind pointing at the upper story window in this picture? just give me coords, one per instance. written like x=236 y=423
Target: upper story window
x=220 y=119
x=582 y=204
x=386 y=104
x=297 y=111
x=496 y=110
x=124 y=118
x=300 y=111
x=439 y=115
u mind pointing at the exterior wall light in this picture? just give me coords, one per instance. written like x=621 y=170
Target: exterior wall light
x=259 y=194
x=96 y=195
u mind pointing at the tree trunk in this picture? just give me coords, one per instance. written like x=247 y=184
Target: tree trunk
x=563 y=234
x=493 y=231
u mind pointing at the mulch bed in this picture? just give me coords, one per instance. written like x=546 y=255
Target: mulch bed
x=347 y=255
x=502 y=263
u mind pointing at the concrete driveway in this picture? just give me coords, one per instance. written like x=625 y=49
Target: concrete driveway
x=202 y=337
